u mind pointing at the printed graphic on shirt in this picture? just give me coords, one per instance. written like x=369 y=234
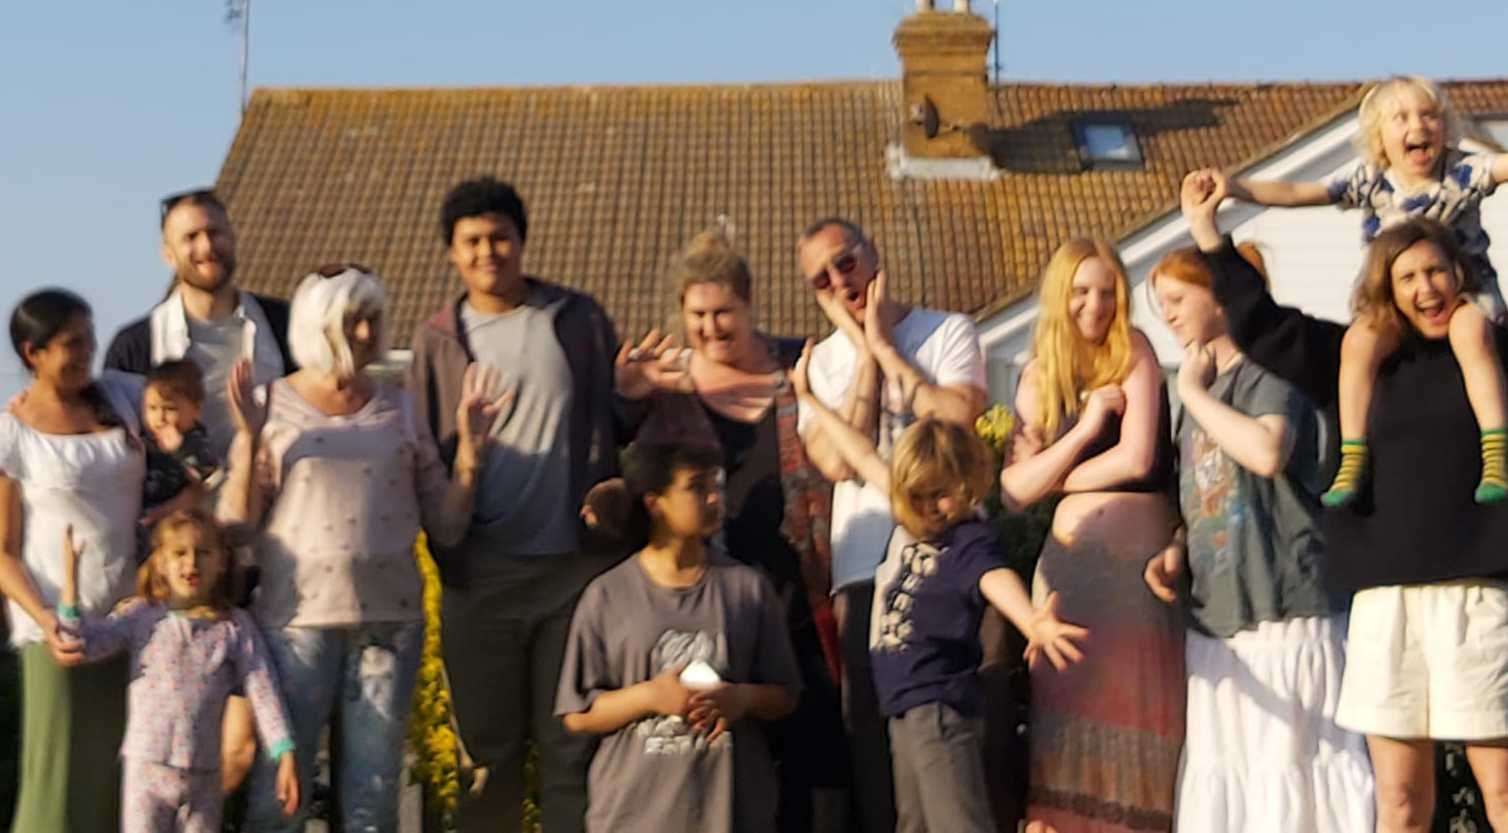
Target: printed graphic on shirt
x=918 y=562
x=672 y=734
x=1222 y=513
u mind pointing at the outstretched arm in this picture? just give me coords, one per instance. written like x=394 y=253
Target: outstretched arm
x=1297 y=347
x=1280 y=193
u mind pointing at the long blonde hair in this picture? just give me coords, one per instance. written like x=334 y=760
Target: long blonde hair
x=1068 y=365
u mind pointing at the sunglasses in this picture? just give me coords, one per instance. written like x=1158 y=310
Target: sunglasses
x=331 y=270
x=843 y=262
x=197 y=196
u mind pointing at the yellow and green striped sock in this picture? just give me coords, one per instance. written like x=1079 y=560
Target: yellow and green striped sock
x=1349 y=477
x=1494 y=484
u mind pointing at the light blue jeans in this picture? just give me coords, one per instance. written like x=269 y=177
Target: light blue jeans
x=361 y=678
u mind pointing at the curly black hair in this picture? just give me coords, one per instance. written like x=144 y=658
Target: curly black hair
x=483 y=195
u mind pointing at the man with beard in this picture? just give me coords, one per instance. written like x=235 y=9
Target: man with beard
x=208 y=321
x=204 y=317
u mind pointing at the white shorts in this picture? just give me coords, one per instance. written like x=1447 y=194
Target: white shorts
x=1428 y=661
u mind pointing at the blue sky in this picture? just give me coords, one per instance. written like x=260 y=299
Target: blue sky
x=106 y=106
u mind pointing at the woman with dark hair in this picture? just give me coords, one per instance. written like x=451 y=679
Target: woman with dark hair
x=1428 y=648
x=69 y=459
x=729 y=392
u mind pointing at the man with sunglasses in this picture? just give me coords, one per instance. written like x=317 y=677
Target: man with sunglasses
x=885 y=366
x=207 y=320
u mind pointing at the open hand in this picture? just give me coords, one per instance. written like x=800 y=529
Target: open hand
x=246 y=413
x=876 y=329
x=1054 y=638
x=656 y=363
x=482 y=399
x=842 y=318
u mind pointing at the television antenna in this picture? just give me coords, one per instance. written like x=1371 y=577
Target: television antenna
x=238 y=16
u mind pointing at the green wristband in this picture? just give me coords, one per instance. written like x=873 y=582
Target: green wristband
x=279 y=749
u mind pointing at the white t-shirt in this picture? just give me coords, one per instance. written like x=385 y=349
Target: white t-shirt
x=944 y=347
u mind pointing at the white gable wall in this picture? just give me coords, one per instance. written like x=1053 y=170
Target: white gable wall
x=1313 y=254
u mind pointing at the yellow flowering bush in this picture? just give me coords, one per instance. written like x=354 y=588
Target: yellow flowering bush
x=430 y=736
x=431 y=732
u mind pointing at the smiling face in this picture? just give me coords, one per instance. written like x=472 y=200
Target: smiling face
x=1412 y=131
x=65 y=360
x=832 y=262
x=191 y=564
x=1426 y=288
x=488 y=253
x=198 y=243
x=1189 y=310
x=719 y=324
x=1091 y=300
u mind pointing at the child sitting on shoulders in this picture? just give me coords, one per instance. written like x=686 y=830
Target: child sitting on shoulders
x=942 y=569
x=189 y=649
x=675 y=657
x=1413 y=168
x=180 y=464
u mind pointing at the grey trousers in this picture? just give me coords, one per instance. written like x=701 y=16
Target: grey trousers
x=939 y=772
x=503 y=633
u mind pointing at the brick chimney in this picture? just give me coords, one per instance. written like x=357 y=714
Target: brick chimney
x=944 y=59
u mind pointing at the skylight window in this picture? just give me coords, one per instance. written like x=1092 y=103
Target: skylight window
x=1107 y=144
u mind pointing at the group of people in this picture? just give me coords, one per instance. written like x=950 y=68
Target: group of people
x=744 y=583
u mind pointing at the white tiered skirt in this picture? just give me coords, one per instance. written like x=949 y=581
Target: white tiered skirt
x=1262 y=751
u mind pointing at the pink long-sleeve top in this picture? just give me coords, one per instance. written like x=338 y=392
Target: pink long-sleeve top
x=346 y=499
x=182 y=669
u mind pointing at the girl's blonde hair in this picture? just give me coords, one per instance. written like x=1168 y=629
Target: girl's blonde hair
x=1067 y=363
x=1372 y=300
x=1377 y=104
x=935 y=459
x=150 y=582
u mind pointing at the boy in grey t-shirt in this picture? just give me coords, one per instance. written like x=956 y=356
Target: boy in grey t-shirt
x=673 y=658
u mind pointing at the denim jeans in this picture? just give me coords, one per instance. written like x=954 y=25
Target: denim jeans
x=361 y=678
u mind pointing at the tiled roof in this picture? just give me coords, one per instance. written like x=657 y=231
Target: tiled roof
x=616 y=178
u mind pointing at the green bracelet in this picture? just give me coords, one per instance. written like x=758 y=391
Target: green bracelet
x=66 y=611
x=279 y=749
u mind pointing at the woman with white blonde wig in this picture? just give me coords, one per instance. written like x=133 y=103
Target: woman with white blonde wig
x=334 y=480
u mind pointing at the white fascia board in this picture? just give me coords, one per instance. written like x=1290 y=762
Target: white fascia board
x=1311 y=157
